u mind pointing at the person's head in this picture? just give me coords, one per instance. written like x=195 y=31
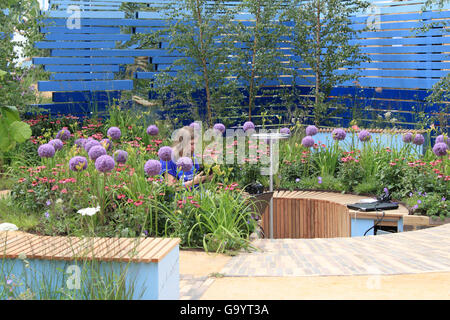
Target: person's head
x=183 y=142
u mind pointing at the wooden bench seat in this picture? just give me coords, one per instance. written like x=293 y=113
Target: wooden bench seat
x=152 y=262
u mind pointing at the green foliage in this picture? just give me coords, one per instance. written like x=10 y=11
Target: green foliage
x=12 y=130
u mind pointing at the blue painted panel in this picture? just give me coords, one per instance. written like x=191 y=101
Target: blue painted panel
x=360 y=226
x=81 y=68
x=75 y=45
x=101 y=22
x=48 y=60
x=108 y=53
x=107 y=30
x=82 y=76
x=90 y=37
x=87 y=14
x=86 y=96
x=85 y=85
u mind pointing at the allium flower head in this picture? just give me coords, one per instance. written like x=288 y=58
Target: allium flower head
x=442 y=139
x=104 y=163
x=121 y=156
x=78 y=163
x=91 y=143
x=185 y=164
x=418 y=139
x=308 y=141
x=63 y=134
x=440 y=149
x=46 y=151
x=248 y=125
x=165 y=153
x=311 y=130
x=152 y=167
x=220 y=127
x=81 y=142
x=285 y=131
x=107 y=144
x=114 y=133
x=407 y=137
x=364 y=136
x=339 y=134
x=57 y=144
x=152 y=130
x=195 y=125
x=96 y=151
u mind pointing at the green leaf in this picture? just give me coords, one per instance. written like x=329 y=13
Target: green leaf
x=5 y=140
x=10 y=113
x=2 y=74
x=20 y=131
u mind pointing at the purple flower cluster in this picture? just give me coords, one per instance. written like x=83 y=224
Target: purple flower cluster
x=308 y=141
x=248 y=125
x=185 y=164
x=220 y=127
x=63 y=134
x=114 y=133
x=57 y=144
x=443 y=139
x=364 y=135
x=165 y=153
x=96 y=151
x=104 y=163
x=418 y=139
x=440 y=149
x=407 y=137
x=78 y=163
x=106 y=143
x=195 y=125
x=152 y=167
x=285 y=131
x=81 y=142
x=121 y=156
x=339 y=134
x=311 y=130
x=91 y=143
x=46 y=151
x=152 y=130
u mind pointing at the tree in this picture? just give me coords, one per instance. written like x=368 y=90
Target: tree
x=258 y=58
x=321 y=35
x=197 y=36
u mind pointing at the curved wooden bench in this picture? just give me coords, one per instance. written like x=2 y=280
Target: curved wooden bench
x=319 y=214
x=151 y=263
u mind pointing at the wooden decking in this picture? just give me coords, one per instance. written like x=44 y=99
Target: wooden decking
x=145 y=250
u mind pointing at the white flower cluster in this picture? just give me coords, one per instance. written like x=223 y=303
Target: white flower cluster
x=88 y=211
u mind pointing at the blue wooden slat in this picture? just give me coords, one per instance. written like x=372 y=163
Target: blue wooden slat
x=101 y=22
x=85 y=8
x=405 y=49
x=81 y=68
x=87 y=14
x=64 y=30
x=74 y=45
x=81 y=108
x=82 y=76
x=85 y=85
x=86 y=96
x=402 y=41
x=51 y=60
x=90 y=37
x=109 y=53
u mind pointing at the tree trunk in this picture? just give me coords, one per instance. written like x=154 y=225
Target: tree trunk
x=252 y=76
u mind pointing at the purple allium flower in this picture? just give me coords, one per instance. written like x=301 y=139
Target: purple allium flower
x=121 y=156
x=248 y=125
x=165 y=153
x=285 y=131
x=407 y=137
x=311 y=130
x=319 y=180
x=220 y=127
x=46 y=151
x=418 y=139
x=185 y=163
x=152 y=130
x=78 y=163
x=104 y=163
x=152 y=167
x=57 y=144
x=308 y=141
x=443 y=139
x=338 y=134
x=81 y=142
x=195 y=125
x=364 y=136
x=96 y=151
x=440 y=149
x=114 y=133
x=91 y=143
x=63 y=134
x=106 y=143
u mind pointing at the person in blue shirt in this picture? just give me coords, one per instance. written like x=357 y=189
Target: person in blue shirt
x=182 y=148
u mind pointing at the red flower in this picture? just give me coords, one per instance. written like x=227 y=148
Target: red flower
x=120 y=196
x=55 y=187
x=64 y=190
x=138 y=203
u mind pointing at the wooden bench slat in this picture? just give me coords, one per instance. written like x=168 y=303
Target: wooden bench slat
x=149 y=255
x=144 y=254
x=162 y=253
